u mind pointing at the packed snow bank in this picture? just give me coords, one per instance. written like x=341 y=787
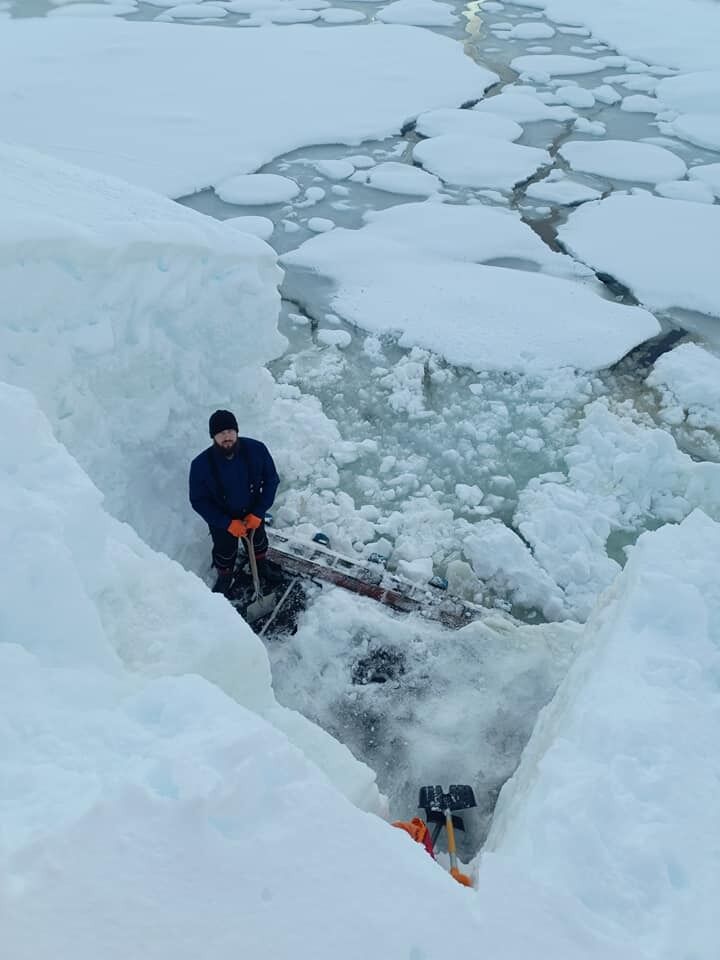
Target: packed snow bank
x=423 y=271
x=84 y=593
x=677 y=33
x=616 y=800
x=663 y=250
x=131 y=318
x=147 y=813
x=223 y=102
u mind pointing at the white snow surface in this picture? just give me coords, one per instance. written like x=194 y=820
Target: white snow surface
x=417 y=270
x=696 y=98
x=664 y=250
x=617 y=795
x=708 y=174
x=675 y=33
x=421 y=13
x=436 y=123
x=624 y=160
x=178 y=130
x=477 y=161
x=523 y=106
x=253 y=189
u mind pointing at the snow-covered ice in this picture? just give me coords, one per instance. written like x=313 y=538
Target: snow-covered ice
x=554 y=65
x=676 y=33
x=565 y=192
x=624 y=160
x=421 y=13
x=696 y=98
x=617 y=796
x=523 y=107
x=177 y=130
x=255 y=189
x=402 y=178
x=410 y=265
x=477 y=161
x=437 y=123
x=707 y=174
x=663 y=250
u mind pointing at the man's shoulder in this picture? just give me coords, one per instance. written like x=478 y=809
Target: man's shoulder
x=252 y=445
x=202 y=458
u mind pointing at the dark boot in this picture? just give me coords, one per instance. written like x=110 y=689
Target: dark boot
x=270 y=572
x=223 y=582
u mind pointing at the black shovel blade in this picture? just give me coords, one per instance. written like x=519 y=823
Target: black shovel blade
x=459 y=796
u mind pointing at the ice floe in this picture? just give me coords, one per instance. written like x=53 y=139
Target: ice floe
x=177 y=130
x=255 y=189
x=402 y=178
x=475 y=161
x=437 y=123
x=554 y=65
x=663 y=250
x=523 y=107
x=418 y=271
x=420 y=13
x=624 y=160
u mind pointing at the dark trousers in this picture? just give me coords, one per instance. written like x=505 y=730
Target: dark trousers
x=225 y=546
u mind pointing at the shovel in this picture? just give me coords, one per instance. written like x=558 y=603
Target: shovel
x=260 y=606
x=439 y=808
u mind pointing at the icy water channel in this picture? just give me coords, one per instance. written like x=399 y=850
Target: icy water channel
x=429 y=451
x=432 y=450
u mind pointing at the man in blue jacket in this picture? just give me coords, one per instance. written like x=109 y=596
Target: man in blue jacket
x=232 y=486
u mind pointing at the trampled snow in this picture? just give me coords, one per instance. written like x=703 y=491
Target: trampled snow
x=663 y=250
x=410 y=265
x=177 y=130
x=616 y=799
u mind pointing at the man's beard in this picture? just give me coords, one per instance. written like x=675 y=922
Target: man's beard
x=227 y=448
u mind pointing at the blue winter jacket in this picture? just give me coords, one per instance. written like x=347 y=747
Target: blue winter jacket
x=248 y=483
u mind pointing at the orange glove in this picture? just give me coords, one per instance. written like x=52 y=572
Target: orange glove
x=237 y=528
x=251 y=521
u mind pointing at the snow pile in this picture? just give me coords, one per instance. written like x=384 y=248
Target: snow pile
x=419 y=270
x=131 y=318
x=109 y=604
x=616 y=801
x=663 y=250
x=178 y=130
x=622 y=477
x=688 y=379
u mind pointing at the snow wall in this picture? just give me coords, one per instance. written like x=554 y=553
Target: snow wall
x=129 y=318
x=616 y=801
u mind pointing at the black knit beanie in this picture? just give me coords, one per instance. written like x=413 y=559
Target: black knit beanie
x=222 y=420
